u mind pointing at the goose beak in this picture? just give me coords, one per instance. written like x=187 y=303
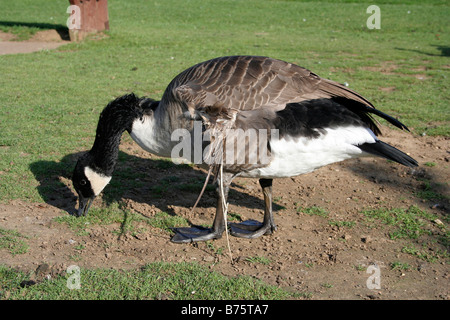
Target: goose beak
x=84 y=205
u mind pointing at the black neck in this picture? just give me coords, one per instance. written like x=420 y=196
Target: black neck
x=117 y=117
x=105 y=152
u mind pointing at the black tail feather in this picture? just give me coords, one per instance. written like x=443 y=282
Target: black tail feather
x=387 y=117
x=387 y=151
x=364 y=111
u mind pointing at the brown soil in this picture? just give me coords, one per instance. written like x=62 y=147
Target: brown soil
x=42 y=40
x=306 y=253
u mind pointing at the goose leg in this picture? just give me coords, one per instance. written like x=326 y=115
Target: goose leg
x=199 y=233
x=251 y=229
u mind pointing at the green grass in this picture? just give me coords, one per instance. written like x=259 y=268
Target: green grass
x=397 y=265
x=258 y=259
x=26 y=17
x=114 y=213
x=314 y=211
x=360 y=267
x=176 y=281
x=408 y=223
x=416 y=225
x=426 y=254
x=20 y=32
x=96 y=216
x=166 y=222
x=428 y=191
x=327 y=285
x=13 y=241
x=430 y=164
x=51 y=100
x=342 y=224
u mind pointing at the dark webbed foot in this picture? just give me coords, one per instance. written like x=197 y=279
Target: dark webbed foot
x=194 y=234
x=251 y=229
x=198 y=233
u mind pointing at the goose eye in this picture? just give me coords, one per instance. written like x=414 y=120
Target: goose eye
x=83 y=182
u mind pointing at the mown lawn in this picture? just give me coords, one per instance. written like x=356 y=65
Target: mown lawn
x=50 y=100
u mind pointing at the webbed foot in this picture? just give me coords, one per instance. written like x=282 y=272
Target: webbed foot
x=194 y=234
x=251 y=229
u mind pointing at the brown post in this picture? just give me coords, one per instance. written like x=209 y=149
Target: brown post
x=91 y=16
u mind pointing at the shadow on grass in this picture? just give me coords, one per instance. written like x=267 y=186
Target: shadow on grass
x=165 y=185
x=154 y=182
x=62 y=30
x=445 y=51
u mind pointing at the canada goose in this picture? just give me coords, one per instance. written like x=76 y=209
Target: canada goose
x=317 y=121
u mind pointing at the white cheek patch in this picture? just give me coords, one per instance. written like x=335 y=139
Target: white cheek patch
x=98 y=181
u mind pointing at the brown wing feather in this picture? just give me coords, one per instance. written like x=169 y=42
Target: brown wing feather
x=251 y=82
x=242 y=91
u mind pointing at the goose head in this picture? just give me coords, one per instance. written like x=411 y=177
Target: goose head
x=94 y=169
x=88 y=183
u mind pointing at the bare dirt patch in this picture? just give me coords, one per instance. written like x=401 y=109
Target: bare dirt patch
x=390 y=68
x=386 y=67
x=387 y=89
x=42 y=40
x=326 y=257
